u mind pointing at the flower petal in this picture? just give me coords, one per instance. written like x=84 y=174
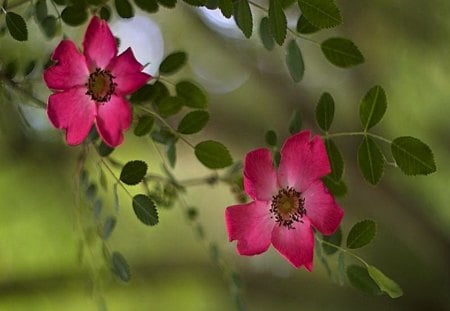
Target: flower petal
x=322 y=209
x=113 y=117
x=70 y=69
x=73 y=111
x=99 y=44
x=250 y=224
x=296 y=245
x=260 y=179
x=303 y=160
x=127 y=73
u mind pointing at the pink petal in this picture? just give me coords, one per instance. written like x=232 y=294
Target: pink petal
x=250 y=224
x=302 y=161
x=296 y=245
x=99 y=44
x=113 y=117
x=260 y=179
x=321 y=208
x=127 y=72
x=73 y=111
x=70 y=69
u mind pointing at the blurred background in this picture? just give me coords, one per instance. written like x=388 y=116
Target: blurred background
x=407 y=52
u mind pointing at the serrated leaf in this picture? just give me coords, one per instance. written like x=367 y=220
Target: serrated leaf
x=336 y=188
x=305 y=27
x=294 y=61
x=213 y=154
x=168 y=3
x=108 y=227
x=173 y=62
x=384 y=283
x=277 y=21
x=145 y=210
x=124 y=8
x=321 y=13
x=169 y=105
x=295 y=124
x=74 y=15
x=144 y=125
x=16 y=26
x=150 y=6
x=243 y=17
x=193 y=122
x=372 y=107
x=361 y=234
x=336 y=160
x=226 y=7
x=360 y=279
x=192 y=94
x=50 y=26
x=120 y=267
x=413 y=156
x=325 y=111
x=342 y=52
x=133 y=172
x=370 y=160
x=335 y=239
x=265 y=34
x=271 y=138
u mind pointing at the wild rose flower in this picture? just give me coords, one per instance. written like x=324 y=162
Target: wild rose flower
x=90 y=86
x=287 y=204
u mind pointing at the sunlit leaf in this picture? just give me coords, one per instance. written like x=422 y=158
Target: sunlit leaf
x=386 y=284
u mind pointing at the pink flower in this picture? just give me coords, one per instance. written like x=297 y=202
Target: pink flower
x=90 y=86
x=288 y=203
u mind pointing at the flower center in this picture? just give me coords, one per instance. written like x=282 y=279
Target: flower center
x=101 y=85
x=288 y=207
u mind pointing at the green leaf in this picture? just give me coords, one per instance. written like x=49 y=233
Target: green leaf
x=148 y=93
x=226 y=7
x=294 y=61
x=116 y=198
x=171 y=153
x=213 y=154
x=29 y=68
x=370 y=160
x=336 y=188
x=342 y=52
x=74 y=15
x=11 y=70
x=16 y=26
x=168 y=3
x=335 y=158
x=104 y=150
x=243 y=16
x=335 y=239
x=173 y=62
x=133 y=172
x=321 y=13
x=195 y=2
x=277 y=21
x=193 y=122
x=120 y=267
x=192 y=94
x=360 y=279
x=105 y=13
x=124 y=8
x=413 y=156
x=361 y=234
x=169 y=105
x=271 y=138
x=163 y=136
x=150 y=6
x=60 y=2
x=144 y=125
x=325 y=111
x=305 y=27
x=145 y=210
x=50 y=26
x=295 y=124
x=108 y=227
x=40 y=10
x=341 y=268
x=386 y=284
x=372 y=107
x=265 y=34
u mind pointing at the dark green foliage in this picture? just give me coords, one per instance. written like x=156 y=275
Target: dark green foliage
x=193 y=95
x=361 y=234
x=145 y=210
x=277 y=21
x=321 y=13
x=325 y=111
x=150 y=6
x=243 y=17
x=265 y=34
x=213 y=154
x=295 y=124
x=413 y=156
x=124 y=8
x=133 y=172
x=342 y=52
x=305 y=27
x=16 y=26
x=335 y=239
x=74 y=15
x=336 y=160
x=370 y=160
x=294 y=61
x=173 y=62
x=193 y=122
x=372 y=107
x=120 y=267
x=144 y=125
x=360 y=279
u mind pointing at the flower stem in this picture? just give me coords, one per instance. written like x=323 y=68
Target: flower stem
x=344 y=250
x=16 y=88
x=359 y=134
